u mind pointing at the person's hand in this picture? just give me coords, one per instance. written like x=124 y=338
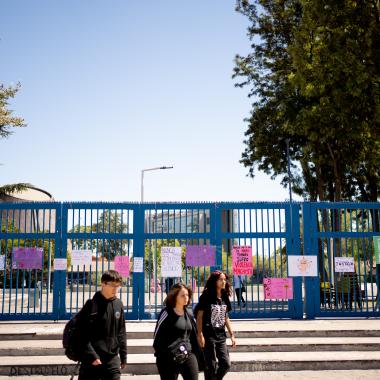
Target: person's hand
x=201 y=340
x=233 y=340
x=122 y=365
x=96 y=362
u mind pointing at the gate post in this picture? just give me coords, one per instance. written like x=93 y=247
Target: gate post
x=295 y=247
x=309 y=226
x=59 y=287
x=138 y=308
x=215 y=233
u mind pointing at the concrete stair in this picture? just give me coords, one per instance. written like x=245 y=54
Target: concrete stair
x=34 y=349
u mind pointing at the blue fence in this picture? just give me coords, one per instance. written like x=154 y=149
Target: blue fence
x=133 y=230
x=333 y=231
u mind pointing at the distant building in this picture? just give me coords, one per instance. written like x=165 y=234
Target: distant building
x=25 y=219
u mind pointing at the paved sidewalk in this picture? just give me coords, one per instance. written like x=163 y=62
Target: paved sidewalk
x=294 y=375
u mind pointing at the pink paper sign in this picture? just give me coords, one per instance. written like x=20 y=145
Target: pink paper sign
x=198 y=255
x=278 y=288
x=242 y=260
x=27 y=258
x=122 y=265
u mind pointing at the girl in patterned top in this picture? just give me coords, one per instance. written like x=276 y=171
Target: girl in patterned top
x=212 y=320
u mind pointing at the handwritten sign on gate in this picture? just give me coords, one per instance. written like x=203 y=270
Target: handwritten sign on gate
x=81 y=257
x=242 y=260
x=138 y=264
x=302 y=266
x=278 y=288
x=171 y=263
x=376 y=243
x=60 y=264
x=199 y=255
x=27 y=258
x=122 y=265
x=344 y=264
x=2 y=262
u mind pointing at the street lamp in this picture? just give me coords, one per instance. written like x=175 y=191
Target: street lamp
x=289 y=173
x=148 y=170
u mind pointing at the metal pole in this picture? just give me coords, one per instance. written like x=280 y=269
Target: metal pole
x=142 y=186
x=289 y=175
x=148 y=170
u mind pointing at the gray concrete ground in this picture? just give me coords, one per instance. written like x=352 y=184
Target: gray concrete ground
x=294 y=375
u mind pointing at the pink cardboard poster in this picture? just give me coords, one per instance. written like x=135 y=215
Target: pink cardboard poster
x=242 y=260
x=27 y=258
x=122 y=265
x=199 y=255
x=278 y=288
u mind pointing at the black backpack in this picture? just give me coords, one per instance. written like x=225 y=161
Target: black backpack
x=70 y=339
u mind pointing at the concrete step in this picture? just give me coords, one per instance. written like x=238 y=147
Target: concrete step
x=241 y=362
x=41 y=330
x=262 y=375
x=253 y=334
x=144 y=346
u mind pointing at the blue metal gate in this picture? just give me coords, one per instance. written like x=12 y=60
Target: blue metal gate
x=29 y=293
x=342 y=230
x=266 y=227
x=134 y=230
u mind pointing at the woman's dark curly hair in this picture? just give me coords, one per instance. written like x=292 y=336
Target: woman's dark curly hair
x=171 y=299
x=210 y=286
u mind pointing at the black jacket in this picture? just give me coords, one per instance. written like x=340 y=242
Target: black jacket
x=103 y=334
x=164 y=334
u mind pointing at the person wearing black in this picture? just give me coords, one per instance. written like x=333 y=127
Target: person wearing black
x=103 y=350
x=239 y=289
x=212 y=320
x=175 y=337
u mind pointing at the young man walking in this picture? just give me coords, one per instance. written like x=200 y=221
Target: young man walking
x=102 y=332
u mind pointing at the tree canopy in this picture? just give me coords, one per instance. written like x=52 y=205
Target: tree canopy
x=314 y=75
x=7 y=122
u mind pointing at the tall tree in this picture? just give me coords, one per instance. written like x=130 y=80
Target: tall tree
x=7 y=122
x=314 y=73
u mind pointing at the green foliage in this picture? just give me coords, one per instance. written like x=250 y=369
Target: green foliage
x=314 y=72
x=7 y=120
x=109 y=222
x=14 y=188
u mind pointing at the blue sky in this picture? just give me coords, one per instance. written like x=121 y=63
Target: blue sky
x=113 y=87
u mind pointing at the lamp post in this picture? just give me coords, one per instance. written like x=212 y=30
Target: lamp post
x=154 y=279
x=148 y=170
x=289 y=175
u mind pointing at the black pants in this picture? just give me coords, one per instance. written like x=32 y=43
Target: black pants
x=239 y=295
x=169 y=369
x=108 y=370
x=217 y=359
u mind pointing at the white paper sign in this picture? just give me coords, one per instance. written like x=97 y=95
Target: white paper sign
x=60 y=264
x=138 y=264
x=2 y=262
x=302 y=266
x=81 y=257
x=344 y=264
x=171 y=264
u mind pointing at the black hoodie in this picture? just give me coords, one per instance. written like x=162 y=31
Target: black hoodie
x=165 y=334
x=103 y=335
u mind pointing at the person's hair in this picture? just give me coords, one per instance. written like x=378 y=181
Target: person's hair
x=171 y=299
x=111 y=276
x=210 y=286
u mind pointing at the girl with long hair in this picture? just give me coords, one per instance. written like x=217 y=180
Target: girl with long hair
x=175 y=337
x=212 y=320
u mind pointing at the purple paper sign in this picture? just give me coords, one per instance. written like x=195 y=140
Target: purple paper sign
x=278 y=288
x=122 y=265
x=27 y=258
x=199 y=255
